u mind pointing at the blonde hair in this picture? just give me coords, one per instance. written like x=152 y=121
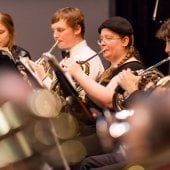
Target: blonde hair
x=6 y=20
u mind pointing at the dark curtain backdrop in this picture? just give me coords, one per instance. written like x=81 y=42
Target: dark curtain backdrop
x=140 y=14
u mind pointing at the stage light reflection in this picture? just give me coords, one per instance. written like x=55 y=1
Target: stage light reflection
x=123 y=114
x=118 y=129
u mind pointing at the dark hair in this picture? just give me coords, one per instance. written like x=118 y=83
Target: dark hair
x=164 y=30
x=6 y=20
x=72 y=16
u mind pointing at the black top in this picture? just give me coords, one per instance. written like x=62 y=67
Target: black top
x=133 y=65
x=13 y=62
x=6 y=62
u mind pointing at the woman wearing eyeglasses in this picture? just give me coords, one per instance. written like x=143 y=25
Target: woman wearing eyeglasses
x=117 y=41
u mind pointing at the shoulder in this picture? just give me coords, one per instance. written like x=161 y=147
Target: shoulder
x=19 y=51
x=82 y=53
x=6 y=62
x=133 y=65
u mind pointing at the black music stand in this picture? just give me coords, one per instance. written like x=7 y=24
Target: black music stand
x=80 y=110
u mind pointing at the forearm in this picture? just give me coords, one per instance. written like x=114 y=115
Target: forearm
x=99 y=94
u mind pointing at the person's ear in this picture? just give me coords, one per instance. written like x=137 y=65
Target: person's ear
x=125 y=41
x=77 y=30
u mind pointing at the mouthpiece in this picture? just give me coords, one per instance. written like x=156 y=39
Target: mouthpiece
x=48 y=53
x=51 y=49
x=85 y=61
x=48 y=56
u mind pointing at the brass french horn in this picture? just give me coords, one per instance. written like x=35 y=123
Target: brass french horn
x=68 y=94
x=164 y=82
x=151 y=74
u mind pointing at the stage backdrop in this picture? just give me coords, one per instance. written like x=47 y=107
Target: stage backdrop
x=32 y=21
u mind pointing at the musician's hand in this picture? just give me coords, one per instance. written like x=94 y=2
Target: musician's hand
x=38 y=70
x=70 y=66
x=128 y=81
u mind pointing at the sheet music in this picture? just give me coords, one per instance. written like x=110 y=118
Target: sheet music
x=26 y=63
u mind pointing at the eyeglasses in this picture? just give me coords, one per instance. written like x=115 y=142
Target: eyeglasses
x=107 y=39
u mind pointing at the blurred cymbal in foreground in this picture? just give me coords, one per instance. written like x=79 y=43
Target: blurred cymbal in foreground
x=43 y=103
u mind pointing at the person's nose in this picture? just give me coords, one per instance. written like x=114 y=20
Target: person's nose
x=55 y=34
x=167 y=48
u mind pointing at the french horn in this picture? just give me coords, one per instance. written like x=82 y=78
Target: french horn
x=44 y=102
x=70 y=95
x=164 y=82
x=70 y=92
x=151 y=74
x=73 y=103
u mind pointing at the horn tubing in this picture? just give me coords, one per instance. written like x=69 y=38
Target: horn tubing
x=51 y=49
x=85 y=61
x=155 y=65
